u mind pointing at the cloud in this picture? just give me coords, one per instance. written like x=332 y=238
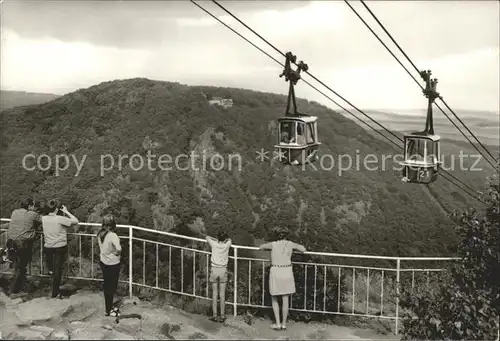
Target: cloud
x=125 y=24
x=467 y=81
x=426 y=29
x=54 y=66
x=181 y=43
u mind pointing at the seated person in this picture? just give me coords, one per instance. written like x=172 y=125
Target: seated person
x=285 y=138
x=416 y=157
x=431 y=159
x=301 y=137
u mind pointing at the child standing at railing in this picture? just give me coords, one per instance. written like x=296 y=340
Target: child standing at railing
x=281 y=280
x=110 y=259
x=218 y=275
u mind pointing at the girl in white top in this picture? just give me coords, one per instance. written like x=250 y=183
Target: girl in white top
x=109 y=245
x=281 y=280
x=218 y=275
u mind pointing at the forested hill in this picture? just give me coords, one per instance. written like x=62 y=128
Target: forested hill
x=361 y=211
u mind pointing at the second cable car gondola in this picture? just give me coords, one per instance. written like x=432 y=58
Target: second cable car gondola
x=422 y=149
x=297 y=133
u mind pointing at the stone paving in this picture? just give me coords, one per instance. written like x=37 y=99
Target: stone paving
x=80 y=317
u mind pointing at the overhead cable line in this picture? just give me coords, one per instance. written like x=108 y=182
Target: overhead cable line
x=418 y=71
x=267 y=54
x=455 y=178
x=279 y=51
x=416 y=81
x=326 y=86
x=307 y=72
x=306 y=82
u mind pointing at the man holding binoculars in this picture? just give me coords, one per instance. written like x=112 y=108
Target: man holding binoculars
x=56 y=240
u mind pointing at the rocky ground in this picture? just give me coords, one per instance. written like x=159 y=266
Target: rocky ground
x=80 y=317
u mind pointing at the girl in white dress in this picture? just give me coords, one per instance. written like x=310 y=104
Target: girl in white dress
x=281 y=281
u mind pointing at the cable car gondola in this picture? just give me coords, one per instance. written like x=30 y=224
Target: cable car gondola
x=297 y=133
x=422 y=149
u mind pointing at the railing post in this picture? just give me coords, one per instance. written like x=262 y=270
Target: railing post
x=398 y=267
x=235 y=279
x=41 y=254
x=130 y=259
x=498 y=330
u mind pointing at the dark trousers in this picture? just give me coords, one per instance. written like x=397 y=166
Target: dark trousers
x=110 y=274
x=22 y=258
x=56 y=260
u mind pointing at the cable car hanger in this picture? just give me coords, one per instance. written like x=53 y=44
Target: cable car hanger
x=423 y=167
x=431 y=94
x=293 y=76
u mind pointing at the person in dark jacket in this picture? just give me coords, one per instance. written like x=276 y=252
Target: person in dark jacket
x=23 y=225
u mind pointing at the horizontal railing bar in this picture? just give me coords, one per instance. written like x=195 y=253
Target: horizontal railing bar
x=166 y=244
x=343 y=255
x=344 y=266
x=322 y=264
x=264 y=306
x=254 y=248
x=70 y=277
x=175 y=292
x=81 y=234
x=408 y=270
x=319 y=311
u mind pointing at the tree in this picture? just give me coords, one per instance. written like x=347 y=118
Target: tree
x=466 y=302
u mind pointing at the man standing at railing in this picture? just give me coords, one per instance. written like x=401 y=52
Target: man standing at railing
x=56 y=240
x=22 y=231
x=218 y=275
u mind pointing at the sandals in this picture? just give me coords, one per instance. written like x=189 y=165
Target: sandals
x=278 y=327
x=4 y=256
x=115 y=312
x=220 y=319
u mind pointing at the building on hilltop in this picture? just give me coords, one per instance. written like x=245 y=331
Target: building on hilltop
x=222 y=102
x=219 y=101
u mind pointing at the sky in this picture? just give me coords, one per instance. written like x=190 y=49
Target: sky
x=61 y=46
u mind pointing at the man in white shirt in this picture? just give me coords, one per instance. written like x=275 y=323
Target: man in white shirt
x=56 y=240
x=218 y=275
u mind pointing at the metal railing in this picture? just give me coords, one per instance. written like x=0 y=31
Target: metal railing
x=326 y=283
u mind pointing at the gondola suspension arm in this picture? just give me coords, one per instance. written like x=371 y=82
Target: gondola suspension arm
x=431 y=94
x=292 y=76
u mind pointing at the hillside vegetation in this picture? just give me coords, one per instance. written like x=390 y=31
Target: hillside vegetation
x=11 y=99
x=465 y=303
x=361 y=211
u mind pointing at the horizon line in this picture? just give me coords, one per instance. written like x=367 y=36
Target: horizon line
x=381 y=110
